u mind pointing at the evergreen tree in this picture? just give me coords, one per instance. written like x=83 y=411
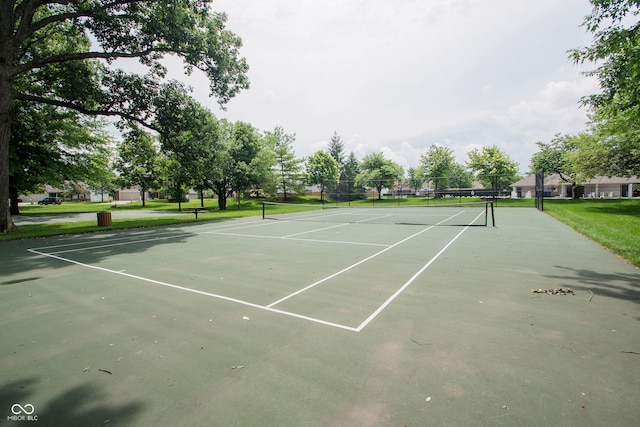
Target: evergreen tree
x=288 y=167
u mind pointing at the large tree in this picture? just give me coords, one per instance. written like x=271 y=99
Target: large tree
x=493 y=167
x=415 y=179
x=336 y=150
x=611 y=149
x=241 y=163
x=288 y=166
x=189 y=136
x=616 y=118
x=49 y=52
x=348 y=190
x=555 y=157
x=136 y=161
x=322 y=170
x=437 y=164
x=460 y=177
x=378 y=172
x=50 y=147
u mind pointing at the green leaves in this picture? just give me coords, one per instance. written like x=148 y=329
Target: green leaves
x=616 y=118
x=137 y=161
x=493 y=167
x=437 y=165
x=378 y=172
x=323 y=170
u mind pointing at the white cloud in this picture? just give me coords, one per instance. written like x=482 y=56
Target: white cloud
x=398 y=75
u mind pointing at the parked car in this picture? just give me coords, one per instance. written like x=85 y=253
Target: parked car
x=50 y=201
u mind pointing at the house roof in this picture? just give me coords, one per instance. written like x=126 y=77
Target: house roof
x=554 y=179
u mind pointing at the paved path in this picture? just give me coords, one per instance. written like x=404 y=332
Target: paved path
x=89 y=216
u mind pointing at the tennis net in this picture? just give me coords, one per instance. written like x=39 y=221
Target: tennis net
x=458 y=214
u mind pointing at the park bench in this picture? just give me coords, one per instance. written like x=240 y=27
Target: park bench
x=196 y=211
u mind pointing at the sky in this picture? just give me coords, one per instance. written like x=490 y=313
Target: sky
x=397 y=76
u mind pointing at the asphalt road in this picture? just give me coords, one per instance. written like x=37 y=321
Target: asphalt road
x=90 y=216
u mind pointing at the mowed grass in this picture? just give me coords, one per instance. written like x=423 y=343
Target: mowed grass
x=615 y=224
x=154 y=205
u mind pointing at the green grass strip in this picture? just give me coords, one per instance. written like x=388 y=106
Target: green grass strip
x=615 y=224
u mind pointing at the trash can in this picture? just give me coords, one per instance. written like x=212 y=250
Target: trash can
x=104 y=219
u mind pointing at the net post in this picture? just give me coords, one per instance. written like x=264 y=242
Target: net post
x=493 y=217
x=263 y=210
x=486 y=213
x=539 y=189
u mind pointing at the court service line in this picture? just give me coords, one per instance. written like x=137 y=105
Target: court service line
x=317 y=214
x=374 y=218
x=195 y=291
x=408 y=282
x=314 y=231
x=340 y=242
x=298 y=292
x=313 y=285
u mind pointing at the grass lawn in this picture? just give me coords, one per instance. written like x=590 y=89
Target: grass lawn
x=615 y=224
x=154 y=205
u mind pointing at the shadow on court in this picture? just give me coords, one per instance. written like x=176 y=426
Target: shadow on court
x=81 y=405
x=611 y=284
x=20 y=265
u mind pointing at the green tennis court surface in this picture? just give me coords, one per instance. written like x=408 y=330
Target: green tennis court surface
x=258 y=322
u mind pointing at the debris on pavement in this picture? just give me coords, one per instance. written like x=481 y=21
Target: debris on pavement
x=558 y=291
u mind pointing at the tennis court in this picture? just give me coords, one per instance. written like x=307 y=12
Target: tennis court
x=324 y=317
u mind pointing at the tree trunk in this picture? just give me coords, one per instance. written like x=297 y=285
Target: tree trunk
x=13 y=199
x=6 y=116
x=222 y=200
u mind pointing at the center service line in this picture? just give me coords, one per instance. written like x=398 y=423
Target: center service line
x=356 y=264
x=414 y=277
x=298 y=292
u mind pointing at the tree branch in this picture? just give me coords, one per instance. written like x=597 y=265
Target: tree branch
x=27 y=9
x=83 y=110
x=81 y=56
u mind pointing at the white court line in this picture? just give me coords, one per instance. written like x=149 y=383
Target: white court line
x=408 y=282
x=316 y=214
x=136 y=236
x=316 y=230
x=195 y=291
x=374 y=218
x=85 y=242
x=347 y=269
x=128 y=240
x=253 y=236
x=298 y=292
x=107 y=245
